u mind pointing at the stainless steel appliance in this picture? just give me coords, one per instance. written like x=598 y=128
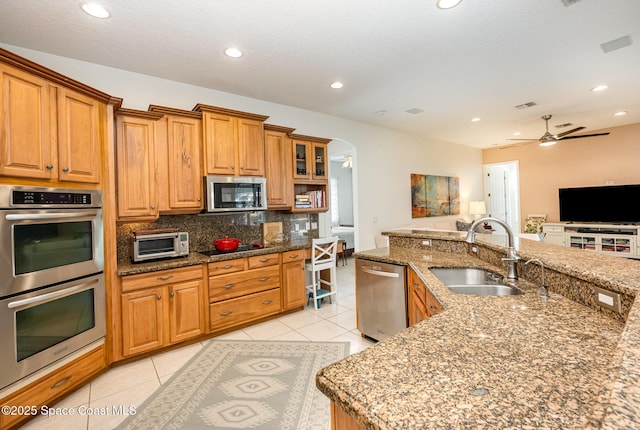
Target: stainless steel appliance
x=381 y=298
x=156 y=244
x=52 y=293
x=234 y=193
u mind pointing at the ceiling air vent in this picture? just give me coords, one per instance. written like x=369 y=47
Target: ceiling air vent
x=618 y=43
x=415 y=111
x=526 y=105
x=568 y=3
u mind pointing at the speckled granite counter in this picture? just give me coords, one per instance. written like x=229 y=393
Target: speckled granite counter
x=545 y=363
x=129 y=268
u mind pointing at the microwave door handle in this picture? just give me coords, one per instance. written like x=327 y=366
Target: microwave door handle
x=50 y=296
x=49 y=216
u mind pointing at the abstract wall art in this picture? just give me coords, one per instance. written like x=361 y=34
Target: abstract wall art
x=434 y=195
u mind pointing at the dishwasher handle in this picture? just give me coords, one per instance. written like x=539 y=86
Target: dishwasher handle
x=371 y=271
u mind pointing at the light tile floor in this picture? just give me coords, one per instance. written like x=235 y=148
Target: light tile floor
x=131 y=384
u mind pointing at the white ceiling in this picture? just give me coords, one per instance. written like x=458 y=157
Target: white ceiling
x=481 y=58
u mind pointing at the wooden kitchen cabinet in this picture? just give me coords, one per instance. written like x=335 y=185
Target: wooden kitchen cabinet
x=233 y=141
x=47 y=131
x=310 y=175
x=243 y=290
x=136 y=165
x=54 y=386
x=169 y=308
x=293 y=279
x=277 y=147
x=179 y=170
x=421 y=304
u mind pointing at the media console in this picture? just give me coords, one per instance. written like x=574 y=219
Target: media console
x=620 y=240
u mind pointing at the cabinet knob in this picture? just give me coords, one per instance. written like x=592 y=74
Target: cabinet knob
x=65 y=169
x=49 y=166
x=159 y=297
x=153 y=206
x=171 y=294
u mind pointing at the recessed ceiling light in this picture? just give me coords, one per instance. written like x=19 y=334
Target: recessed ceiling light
x=620 y=113
x=381 y=112
x=516 y=133
x=336 y=85
x=95 y=10
x=233 y=52
x=600 y=88
x=447 y=4
x=476 y=119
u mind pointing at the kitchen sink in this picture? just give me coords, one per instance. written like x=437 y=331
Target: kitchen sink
x=474 y=281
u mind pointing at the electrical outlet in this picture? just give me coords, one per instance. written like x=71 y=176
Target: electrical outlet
x=474 y=249
x=314 y=225
x=307 y=225
x=426 y=242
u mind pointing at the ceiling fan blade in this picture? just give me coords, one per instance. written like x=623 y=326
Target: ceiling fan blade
x=564 y=133
x=583 y=135
x=526 y=139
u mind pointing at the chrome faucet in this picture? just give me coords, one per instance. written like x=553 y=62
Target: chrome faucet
x=544 y=293
x=512 y=257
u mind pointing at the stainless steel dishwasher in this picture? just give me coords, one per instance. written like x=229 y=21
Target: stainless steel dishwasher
x=381 y=298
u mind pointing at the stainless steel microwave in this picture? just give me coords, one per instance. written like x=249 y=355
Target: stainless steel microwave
x=234 y=193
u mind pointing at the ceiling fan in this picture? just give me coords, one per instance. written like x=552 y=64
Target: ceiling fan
x=549 y=139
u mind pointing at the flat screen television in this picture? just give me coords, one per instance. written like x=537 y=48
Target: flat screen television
x=615 y=204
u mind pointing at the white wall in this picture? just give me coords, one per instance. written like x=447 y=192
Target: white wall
x=385 y=158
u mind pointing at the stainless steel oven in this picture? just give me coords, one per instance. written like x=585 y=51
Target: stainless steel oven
x=48 y=235
x=45 y=325
x=52 y=293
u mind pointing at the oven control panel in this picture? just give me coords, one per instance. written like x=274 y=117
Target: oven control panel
x=46 y=198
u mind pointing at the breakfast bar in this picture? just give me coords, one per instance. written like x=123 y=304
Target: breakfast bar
x=521 y=361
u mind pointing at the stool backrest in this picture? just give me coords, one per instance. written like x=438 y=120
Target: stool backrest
x=323 y=253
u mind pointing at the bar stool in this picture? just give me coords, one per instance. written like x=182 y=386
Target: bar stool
x=323 y=256
x=342 y=252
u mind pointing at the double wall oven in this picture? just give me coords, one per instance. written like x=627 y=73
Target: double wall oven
x=52 y=293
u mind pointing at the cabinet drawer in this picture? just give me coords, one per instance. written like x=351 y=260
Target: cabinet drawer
x=243 y=309
x=162 y=277
x=290 y=256
x=553 y=229
x=263 y=260
x=239 y=284
x=56 y=384
x=416 y=286
x=227 y=266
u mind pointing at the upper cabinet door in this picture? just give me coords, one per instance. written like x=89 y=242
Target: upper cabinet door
x=80 y=120
x=250 y=147
x=135 y=155
x=277 y=150
x=26 y=120
x=219 y=144
x=184 y=172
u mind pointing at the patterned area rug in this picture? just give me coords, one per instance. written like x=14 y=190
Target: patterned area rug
x=264 y=385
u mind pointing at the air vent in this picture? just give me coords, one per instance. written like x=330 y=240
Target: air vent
x=526 y=105
x=567 y=124
x=415 y=111
x=568 y=3
x=618 y=43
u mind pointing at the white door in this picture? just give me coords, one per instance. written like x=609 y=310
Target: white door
x=501 y=187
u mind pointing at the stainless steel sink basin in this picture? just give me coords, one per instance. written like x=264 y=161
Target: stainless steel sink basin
x=470 y=280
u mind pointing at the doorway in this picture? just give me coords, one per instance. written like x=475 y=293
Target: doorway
x=502 y=192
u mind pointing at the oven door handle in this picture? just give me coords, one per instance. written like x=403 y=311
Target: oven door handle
x=53 y=295
x=49 y=216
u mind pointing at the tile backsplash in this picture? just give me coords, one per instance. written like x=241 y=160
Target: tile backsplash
x=203 y=229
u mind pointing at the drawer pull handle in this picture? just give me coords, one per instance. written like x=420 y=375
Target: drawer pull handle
x=226 y=314
x=416 y=286
x=62 y=382
x=164 y=278
x=268 y=302
x=264 y=260
x=228 y=266
x=264 y=278
x=293 y=256
x=226 y=287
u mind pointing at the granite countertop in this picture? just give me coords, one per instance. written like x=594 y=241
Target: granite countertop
x=194 y=258
x=544 y=363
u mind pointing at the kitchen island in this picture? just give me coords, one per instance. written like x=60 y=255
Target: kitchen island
x=500 y=362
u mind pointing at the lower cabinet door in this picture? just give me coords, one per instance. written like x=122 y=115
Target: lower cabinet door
x=186 y=319
x=142 y=321
x=229 y=313
x=293 y=285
